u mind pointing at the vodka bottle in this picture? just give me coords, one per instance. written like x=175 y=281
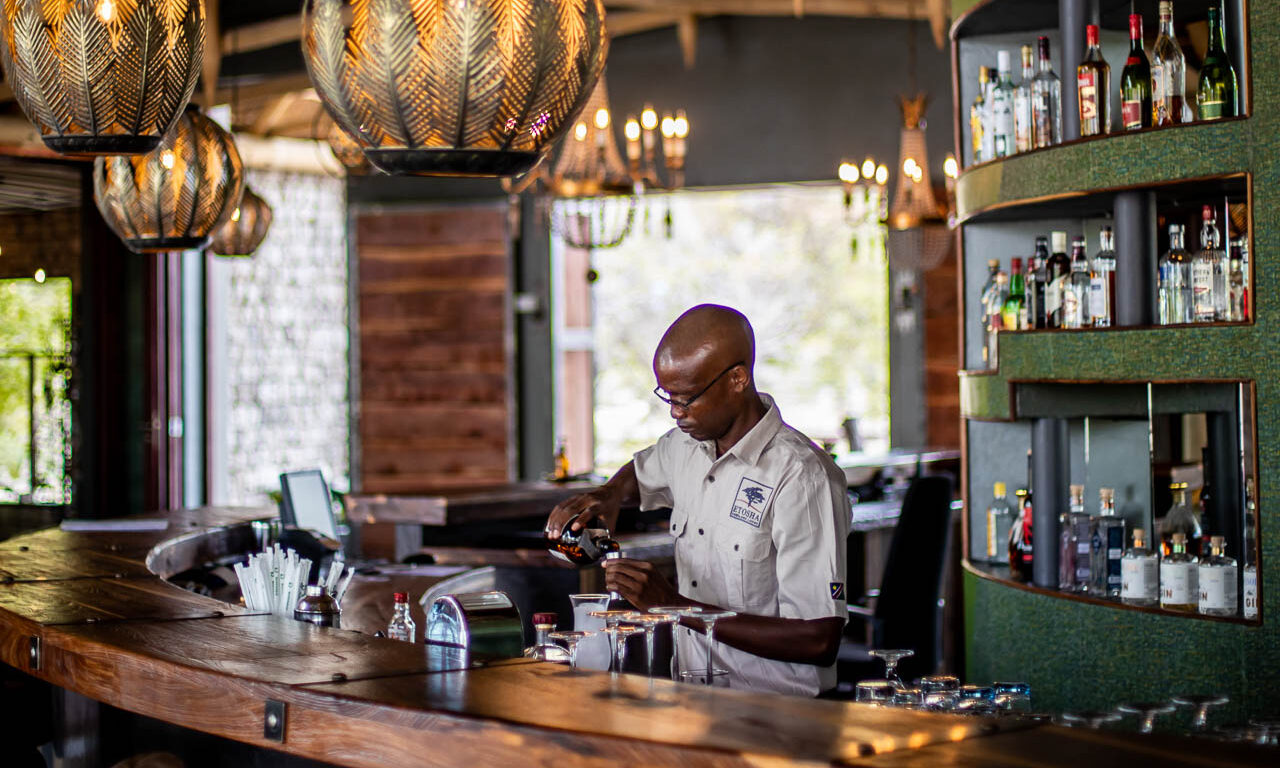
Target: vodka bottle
x=999 y=520
x=1022 y=104
x=1179 y=587
x=1046 y=102
x=1217 y=581
x=1075 y=291
x=1074 y=545
x=1102 y=282
x=1002 y=124
x=1107 y=546
x=401 y=626
x=1174 y=285
x=1139 y=573
x=1209 y=272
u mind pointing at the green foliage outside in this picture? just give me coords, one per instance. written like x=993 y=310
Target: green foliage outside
x=34 y=332
x=811 y=278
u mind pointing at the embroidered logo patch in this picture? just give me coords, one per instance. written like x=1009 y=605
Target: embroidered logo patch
x=751 y=502
x=837 y=590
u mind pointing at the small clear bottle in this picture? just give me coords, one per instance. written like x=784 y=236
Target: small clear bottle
x=543 y=649
x=402 y=626
x=999 y=520
x=1209 y=272
x=1174 y=283
x=1179 y=587
x=1140 y=573
x=1181 y=518
x=1106 y=546
x=1250 y=573
x=1216 y=580
x=1102 y=281
x=1073 y=550
x=1075 y=290
x=1236 y=291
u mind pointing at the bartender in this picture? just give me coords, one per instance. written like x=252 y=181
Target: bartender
x=758 y=512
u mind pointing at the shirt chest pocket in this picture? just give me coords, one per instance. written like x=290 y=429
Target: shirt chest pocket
x=747 y=563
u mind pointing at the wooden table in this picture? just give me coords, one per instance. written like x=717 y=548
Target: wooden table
x=130 y=640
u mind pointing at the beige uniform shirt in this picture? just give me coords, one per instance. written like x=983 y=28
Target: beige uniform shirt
x=761 y=530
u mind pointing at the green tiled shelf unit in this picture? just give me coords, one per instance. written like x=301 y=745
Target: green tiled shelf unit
x=1081 y=653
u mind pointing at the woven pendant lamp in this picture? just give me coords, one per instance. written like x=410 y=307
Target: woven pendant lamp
x=102 y=77
x=175 y=196
x=438 y=87
x=245 y=229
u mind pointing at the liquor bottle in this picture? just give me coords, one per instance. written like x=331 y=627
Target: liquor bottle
x=1237 y=293
x=561 y=461
x=543 y=649
x=1014 y=305
x=1240 y=250
x=1057 y=270
x=1179 y=589
x=1093 y=87
x=1139 y=573
x=1203 y=506
x=988 y=116
x=1107 y=545
x=986 y=297
x=1175 y=280
x=1135 y=81
x=1168 y=71
x=1209 y=272
x=1102 y=281
x=1003 y=138
x=1075 y=290
x=994 y=310
x=1217 y=581
x=1249 y=577
x=1046 y=102
x=977 y=116
x=1216 y=96
x=585 y=546
x=1022 y=104
x=1180 y=520
x=999 y=521
x=1037 y=276
x=1020 y=554
x=401 y=626
x=1073 y=531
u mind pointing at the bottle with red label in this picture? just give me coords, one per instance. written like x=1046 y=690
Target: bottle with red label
x=1093 y=87
x=1135 y=81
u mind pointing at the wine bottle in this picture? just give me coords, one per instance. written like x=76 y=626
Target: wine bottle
x=1135 y=81
x=1093 y=87
x=1216 y=97
x=1168 y=71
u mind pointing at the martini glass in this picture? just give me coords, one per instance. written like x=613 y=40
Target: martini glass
x=709 y=619
x=620 y=633
x=1147 y=711
x=571 y=639
x=1202 y=704
x=649 y=622
x=672 y=614
x=891 y=657
x=611 y=620
x=1091 y=718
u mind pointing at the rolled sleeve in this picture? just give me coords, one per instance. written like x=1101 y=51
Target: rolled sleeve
x=652 y=474
x=811 y=523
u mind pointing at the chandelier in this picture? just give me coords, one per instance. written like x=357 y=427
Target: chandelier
x=176 y=195
x=475 y=88
x=245 y=229
x=102 y=77
x=919 y=237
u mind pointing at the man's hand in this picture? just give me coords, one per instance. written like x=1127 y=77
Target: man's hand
x=601 y=503
x=640 y=583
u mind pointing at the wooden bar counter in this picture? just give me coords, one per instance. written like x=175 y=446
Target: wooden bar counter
x=83 y=611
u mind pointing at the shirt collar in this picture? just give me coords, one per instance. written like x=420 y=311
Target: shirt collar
x=752 y=444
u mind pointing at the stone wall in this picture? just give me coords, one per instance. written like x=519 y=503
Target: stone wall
x=278 y=345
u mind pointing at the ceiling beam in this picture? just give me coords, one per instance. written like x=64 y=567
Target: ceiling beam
x=211 y=57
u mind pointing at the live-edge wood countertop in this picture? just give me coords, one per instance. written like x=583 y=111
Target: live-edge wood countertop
x=104 y=626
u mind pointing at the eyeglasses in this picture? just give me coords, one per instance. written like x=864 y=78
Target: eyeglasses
x=684 y=405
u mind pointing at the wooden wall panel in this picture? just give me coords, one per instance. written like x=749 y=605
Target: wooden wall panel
x=435 y=353
x=942 y=355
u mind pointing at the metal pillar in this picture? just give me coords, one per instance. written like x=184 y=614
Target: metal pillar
x=1135 y=229
x=1050 y=464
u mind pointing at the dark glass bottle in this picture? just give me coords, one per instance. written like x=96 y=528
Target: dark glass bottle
x=1021 y=554
x=1093 y=87
x=1013 y=313
x=1034 y=286
x=583 y=547
x=1057 y=272
x=1135 y=81
x=1216 y=97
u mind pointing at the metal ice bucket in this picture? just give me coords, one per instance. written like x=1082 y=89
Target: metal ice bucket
x=484 y=623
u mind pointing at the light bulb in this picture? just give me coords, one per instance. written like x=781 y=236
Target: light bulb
x=235 y=215
x=106 y=11
x=39 y=275
x=602 y=118
x=847 y=173
x=917 y=174
x=166 y=159
x=668 y=127
x=632 y=129
x=909 y=166
x=648 y=118
x=580 y=131
x=681 y=125
x=882 y=174
x=950 y=167
x=868 y=168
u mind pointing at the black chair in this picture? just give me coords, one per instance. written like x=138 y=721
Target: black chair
x=905 y=613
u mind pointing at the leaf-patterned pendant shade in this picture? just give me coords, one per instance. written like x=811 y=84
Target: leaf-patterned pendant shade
x=454 y=87
x=102 y=77
x=176 y=195
x=246 y=229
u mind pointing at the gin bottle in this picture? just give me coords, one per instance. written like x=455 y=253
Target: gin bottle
x=999 y=520
x=977 y=116
x=1102 y=281
x=1179 y=590
x=1046 y=102
x=543 y=649
x=1181 y=519
x=1139 y=573
x=1075 y=290
x=1217 y=581
x=1106 y=546
x=1250 y=574
x=1209 y=273
x=1074 y=544
x=1002 y=108
x=402 y=626
x=1175 y=280
x=1022 y=104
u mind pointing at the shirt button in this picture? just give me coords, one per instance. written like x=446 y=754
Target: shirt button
x=711 y=478
x=700 y=532
x=673 y=526
x=695 y=582
x=735 y=547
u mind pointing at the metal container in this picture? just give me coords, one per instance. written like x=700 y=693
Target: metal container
x=318 y=607
x=483 y=623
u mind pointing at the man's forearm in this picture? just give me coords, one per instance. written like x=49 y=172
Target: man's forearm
x=624 y=485
x=801 y=641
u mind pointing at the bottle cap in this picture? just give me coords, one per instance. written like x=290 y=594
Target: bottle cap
x=984 y=74
x=1138 y=534
x=544 y=619
x=1179 y=538
x=1091 y=35
x=1077 y=490
x=1059 y=241
x=1015 y=263
x=1002 y=61
x=1135 y=26
x=1166 y=7
x=402 y=597
x=1208 y=213
x=1106 y=493
x=1217 y=541
x=1177 y=486
x=1000 y=490
x=1020 y=492
x=993 y=263
x=314 y=590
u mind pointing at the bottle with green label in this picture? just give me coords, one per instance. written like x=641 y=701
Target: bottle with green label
x=1216 y=97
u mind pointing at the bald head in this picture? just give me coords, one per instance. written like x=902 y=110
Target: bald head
x=709 y=335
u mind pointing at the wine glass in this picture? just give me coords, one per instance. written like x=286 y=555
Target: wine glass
x=1090 y=718
x=619 y=633
x=709 y=619
x=1202 y=704
x=1147 y=712
x=571 y=639
x=891 y=657
x=650 y=623
x=671 y=615
x=610 y=619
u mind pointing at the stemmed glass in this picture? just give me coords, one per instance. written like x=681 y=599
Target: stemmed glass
x=891 y=657
x=1202 y=704
x=1148 y=712
x=673 y=614
x=611 y=620
x=1090 y=718
x=650 y=623
x=709 y=619
x=619 y=633
x=571 y=639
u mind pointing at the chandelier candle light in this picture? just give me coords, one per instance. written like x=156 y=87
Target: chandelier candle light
x=102 y=77
x=476 y=88
x=246 y=229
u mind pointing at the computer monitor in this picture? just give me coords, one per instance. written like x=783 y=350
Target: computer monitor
x=306 y=502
